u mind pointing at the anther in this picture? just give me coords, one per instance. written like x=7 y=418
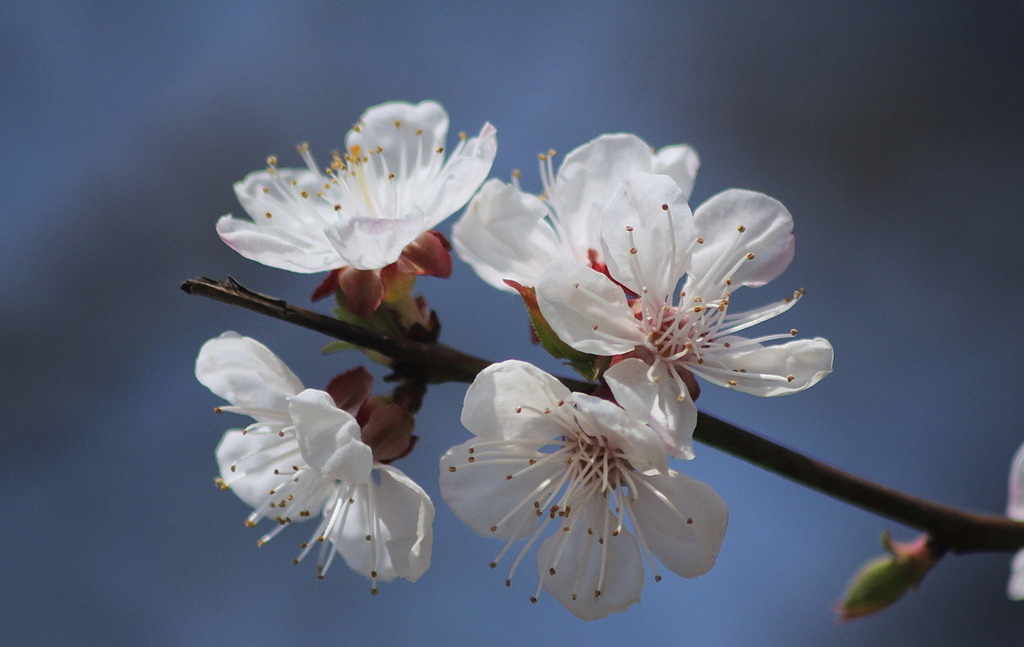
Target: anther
x=741 y=229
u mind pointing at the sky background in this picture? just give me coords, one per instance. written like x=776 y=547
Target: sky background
x=893 y=133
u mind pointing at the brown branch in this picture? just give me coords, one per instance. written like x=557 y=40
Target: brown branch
x=961 y=532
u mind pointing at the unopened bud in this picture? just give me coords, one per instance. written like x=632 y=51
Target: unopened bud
x=885 y=579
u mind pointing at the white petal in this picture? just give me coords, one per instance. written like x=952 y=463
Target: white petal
x=411 y=140
x=286 y=230
x=245 y=373
x=768 y=370
x=266 y=246
x=767 y=233
x=482 y=495
x=587 y=179
x=639 y=443
x=329 y=438
x=404 y=131
x=588 y=558
x=371 y=242
x=587 y=310
x=656 y=403
x=248 y=462
x=646 y=231
x=1015 y=587
x=357 y=518
x=1015 y=498
x=406 y=512
x=680 y=162
x=682 y=521
x=504 y=235
x=508 y=400
x=461 y=176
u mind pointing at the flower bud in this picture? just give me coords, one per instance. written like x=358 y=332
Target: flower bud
x=885 y=579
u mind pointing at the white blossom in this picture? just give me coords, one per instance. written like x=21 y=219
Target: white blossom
x=303 y=458
x=1015 y=511
x=392 y=183
x=603 y=473
x=650 y=241
x=507 y=233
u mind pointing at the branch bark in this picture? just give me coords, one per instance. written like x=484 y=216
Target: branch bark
x=958 y=530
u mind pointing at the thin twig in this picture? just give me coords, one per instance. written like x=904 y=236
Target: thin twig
x=960 y=531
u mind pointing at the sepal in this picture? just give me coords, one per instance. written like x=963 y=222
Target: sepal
x=589 y=366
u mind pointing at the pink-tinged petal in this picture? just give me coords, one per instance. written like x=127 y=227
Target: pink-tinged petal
x=646 y=233
x=370 y=242
x=587 y=179
x=504 y=235
x=329 y=438
x=1015 y=497
x=767 y=370
x=734 y=224
x=681 y=520
x=656 y=403
x=589 y=568
x=492 y=487
x=254 y=463
x=407 y=514
x=516 y=400
x=246 y=373
x=587 y=310
x=680 y=162
x=460 y=177
x=350 y=389
x=602 y=418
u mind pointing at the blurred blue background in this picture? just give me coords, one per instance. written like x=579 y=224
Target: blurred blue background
x=893 y=133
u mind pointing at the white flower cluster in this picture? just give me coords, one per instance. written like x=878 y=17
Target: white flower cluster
x=621 y=269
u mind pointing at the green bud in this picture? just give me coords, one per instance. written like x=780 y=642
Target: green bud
x=885 y=579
